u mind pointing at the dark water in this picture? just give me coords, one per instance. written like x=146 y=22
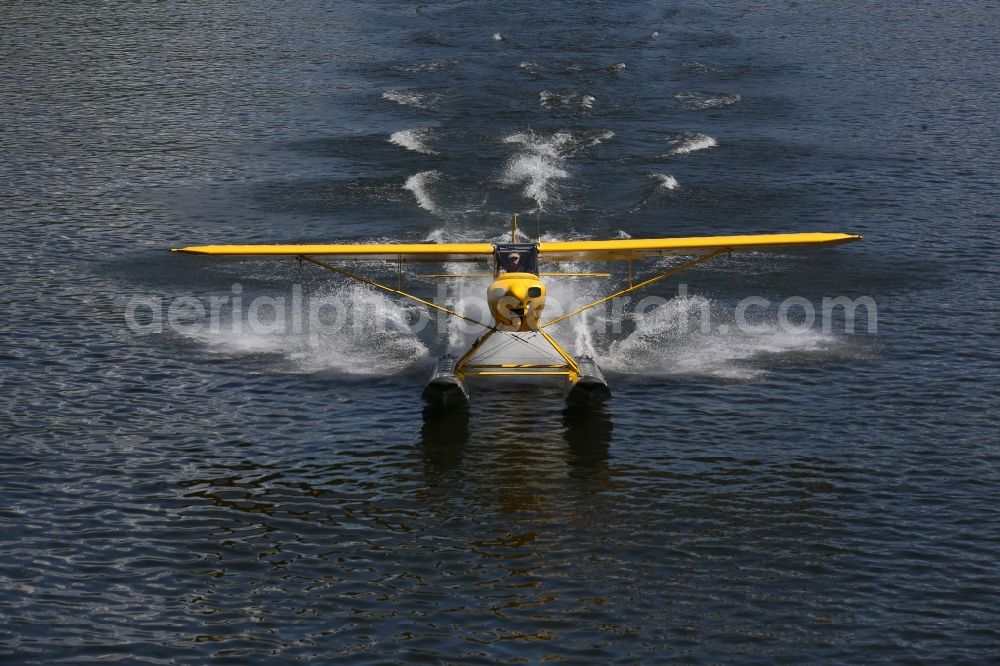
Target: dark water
x=193 y=497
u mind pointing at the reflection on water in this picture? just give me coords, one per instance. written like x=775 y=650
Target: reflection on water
x=443 y=437
x=586 y=433
x=516 y=451
x=588 y=436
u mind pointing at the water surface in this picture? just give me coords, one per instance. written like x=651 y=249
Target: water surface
x=256 y=497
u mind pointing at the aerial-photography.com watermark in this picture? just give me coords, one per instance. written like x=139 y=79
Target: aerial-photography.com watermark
x=320 y=315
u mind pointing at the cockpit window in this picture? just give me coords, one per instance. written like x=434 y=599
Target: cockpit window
x=516 y=258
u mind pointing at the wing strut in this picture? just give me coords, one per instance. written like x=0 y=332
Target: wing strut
x=661 y=276
x=433 y=306
x=372 y=283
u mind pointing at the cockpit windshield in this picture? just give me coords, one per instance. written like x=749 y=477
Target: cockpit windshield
x=516 y=258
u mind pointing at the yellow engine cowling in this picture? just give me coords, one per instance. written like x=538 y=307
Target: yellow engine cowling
x=517 y=300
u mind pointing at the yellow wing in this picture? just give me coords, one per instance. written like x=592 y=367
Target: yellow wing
x=604 y=250
x=642 y=248
x=434 y=252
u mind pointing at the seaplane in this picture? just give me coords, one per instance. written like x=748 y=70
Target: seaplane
x=516 y=295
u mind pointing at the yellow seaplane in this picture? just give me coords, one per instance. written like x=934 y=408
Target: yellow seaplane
x=516 y=295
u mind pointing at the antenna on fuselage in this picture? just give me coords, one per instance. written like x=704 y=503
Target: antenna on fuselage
x=513 y=228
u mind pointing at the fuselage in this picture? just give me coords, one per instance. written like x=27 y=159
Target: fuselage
x=516 y=300
x=516 y=296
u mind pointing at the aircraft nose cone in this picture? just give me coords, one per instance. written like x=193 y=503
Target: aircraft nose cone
x=519 y=291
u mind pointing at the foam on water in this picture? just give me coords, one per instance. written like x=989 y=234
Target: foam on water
x=689 y=142
x=352 y=330
x=671 y=340
x=438 y=235
x=558 y=144
x=542 y=160
x=530 y=67
x=696 y=101
x=412 y=98
x=664 y=181
x=414 y=139
x=534 y=172
x=422 y=67
x=711 y=69
x=419 y=184
x=571 y=101
x=615 y=69
x=551 y=146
